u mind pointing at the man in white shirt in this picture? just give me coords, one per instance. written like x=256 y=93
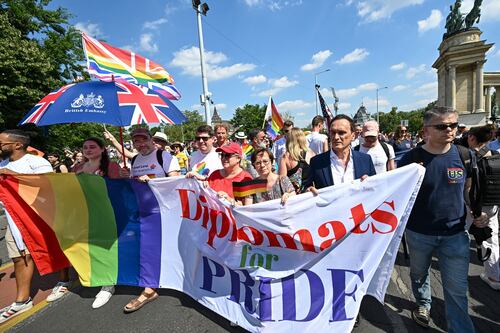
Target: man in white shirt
x=357 y=136
x=382 y=154
x=16 y=160
x=205 y=160
x=279 y=146
x=318 y=142
x=495 y=144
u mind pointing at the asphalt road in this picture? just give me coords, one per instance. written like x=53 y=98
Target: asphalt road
x=176 y=312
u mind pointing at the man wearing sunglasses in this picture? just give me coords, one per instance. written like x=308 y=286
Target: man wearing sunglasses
x=437 y=221
x=205 y=160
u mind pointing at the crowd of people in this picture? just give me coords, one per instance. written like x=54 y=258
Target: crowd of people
x=295 y=163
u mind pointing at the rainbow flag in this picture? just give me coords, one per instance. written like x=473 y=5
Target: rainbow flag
x=202 y=169
x=108 y=63
x=244 y=189
x=247 y=150
x=110 y=230
x=272 y=120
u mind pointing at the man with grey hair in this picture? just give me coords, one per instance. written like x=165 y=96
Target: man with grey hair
x=437 y=221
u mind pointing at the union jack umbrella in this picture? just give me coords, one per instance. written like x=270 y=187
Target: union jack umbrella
x=114 y=103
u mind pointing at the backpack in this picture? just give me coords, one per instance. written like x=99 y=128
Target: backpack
x=384 y=146
x=485 y=190
x=159 y=158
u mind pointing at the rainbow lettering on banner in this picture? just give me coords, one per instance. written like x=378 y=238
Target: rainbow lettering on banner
x=108 y=63
x=202 y=169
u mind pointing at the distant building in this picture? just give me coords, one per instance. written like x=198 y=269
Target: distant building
x=361 y=116
x=217 y=120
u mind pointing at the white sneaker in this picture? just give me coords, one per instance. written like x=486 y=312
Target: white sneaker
x=58 y=291
x=103 y=296
x=15 y=309
x=493 y=284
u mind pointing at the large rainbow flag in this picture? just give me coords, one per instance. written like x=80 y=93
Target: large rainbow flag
x=110 y=230
x=272 y=120
x=107 y=62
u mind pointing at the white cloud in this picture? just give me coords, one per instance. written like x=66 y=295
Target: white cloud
x=277 y=85
x=374 y=10
x=189 y=60
x=398 y=67
x=301 y=114
x=254 y=80
x=318 y=59
x=252 y=3
x=147 y=44
x=154 y=25
x=356 y=55
x=433 y=21
x=273 y=5
x=399 y=87
x=344 y=94
x=427 y=89
x=371 y=104
x=412 y=71
x=416 y=104
x=344 y=106
x=490 y=9
x=91 y=29
x=220 y=106
x=368 y=86
x=295 y=105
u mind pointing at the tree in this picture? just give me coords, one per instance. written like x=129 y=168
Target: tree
x=249 y=117
x=186 y=131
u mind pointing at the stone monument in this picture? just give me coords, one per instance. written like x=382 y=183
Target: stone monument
x=462 y=84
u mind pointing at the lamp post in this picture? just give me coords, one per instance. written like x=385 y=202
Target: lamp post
x=205 y=97
x=378 y=117
x=316 y=85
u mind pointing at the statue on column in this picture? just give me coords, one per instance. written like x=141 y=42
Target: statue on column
x=474 y=15
x=455 y=21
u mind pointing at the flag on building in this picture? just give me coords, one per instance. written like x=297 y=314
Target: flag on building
x=327 y=114
x=273 y=123
x=108 y=63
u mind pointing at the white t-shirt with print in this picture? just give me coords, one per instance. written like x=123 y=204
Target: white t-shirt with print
x=316 y=141
x=379 y=157
x=205 y=164
x=28 y=164
x=148 y=165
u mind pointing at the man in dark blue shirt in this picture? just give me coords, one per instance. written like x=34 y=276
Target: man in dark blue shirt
x=437 y=221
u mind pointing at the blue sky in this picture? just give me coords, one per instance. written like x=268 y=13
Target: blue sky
x=257 y=48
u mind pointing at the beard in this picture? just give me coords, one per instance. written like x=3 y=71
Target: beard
x=5 y=154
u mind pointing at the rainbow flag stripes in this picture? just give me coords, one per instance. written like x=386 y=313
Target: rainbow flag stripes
x=247 y=150
x=111 y=231
x=273 y=120
x=108 y=63
x=202 y=169
x=244 y=189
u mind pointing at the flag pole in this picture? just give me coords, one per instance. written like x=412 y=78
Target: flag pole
x=121 y=135
x=265 y=116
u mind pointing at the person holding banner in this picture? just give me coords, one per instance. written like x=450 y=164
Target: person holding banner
x=277 y=187
x=16 y=160
x=205 y=160
x=437 y=220
x=341 y=164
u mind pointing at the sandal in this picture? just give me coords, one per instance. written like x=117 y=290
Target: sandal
x=135 y=304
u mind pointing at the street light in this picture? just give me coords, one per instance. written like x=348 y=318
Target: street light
x=316 y=86
x=378 y=117
x=202 y=9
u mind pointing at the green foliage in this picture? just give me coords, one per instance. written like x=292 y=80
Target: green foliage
x=186 y=131
x=249 y=117
x=389 y=121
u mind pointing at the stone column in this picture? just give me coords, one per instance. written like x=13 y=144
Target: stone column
x=479 y=87
x=487 y=102
x=452 y=87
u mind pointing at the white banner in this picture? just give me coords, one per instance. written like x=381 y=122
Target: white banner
x=300 y=267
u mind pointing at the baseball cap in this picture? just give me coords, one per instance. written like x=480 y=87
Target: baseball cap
x=141 y=132
x=232 y=148
x=160 y=136
x=370 y=128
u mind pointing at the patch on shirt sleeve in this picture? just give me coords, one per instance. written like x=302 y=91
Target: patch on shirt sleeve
x=455 y=175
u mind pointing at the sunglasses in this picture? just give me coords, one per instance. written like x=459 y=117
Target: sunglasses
x=204 y=138
x=227 y=155
x=444 y=127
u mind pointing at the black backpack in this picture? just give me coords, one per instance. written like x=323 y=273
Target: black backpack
x=159 y=158
x=485 y=190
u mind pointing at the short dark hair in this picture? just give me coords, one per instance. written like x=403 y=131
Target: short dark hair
x=253 y=133
x=205 y=129
x=56 y=155
x=260 y=151
x=482 y=133
x=317 y=120
x=18 y=136
x=288 y=123
x=437 y=111
x=345 y=117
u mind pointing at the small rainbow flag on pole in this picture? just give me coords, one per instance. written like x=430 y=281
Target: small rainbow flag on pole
x=247 y=150
x=272 y=120
x=244 y=189
x=108 y=63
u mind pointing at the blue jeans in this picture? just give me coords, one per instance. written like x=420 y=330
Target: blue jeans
x=453 y=255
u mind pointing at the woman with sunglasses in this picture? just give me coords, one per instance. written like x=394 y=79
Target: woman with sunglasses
x=278 y=187
x=295 y=161
x=399 y=142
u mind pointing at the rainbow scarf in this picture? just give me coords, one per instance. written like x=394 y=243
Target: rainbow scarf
x=110 y=230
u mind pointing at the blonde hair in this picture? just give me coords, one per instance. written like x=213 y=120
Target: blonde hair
x=296 y=144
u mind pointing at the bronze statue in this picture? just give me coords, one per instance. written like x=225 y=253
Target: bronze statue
x=475 y=14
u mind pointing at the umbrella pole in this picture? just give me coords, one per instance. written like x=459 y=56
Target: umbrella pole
x=123 y=148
